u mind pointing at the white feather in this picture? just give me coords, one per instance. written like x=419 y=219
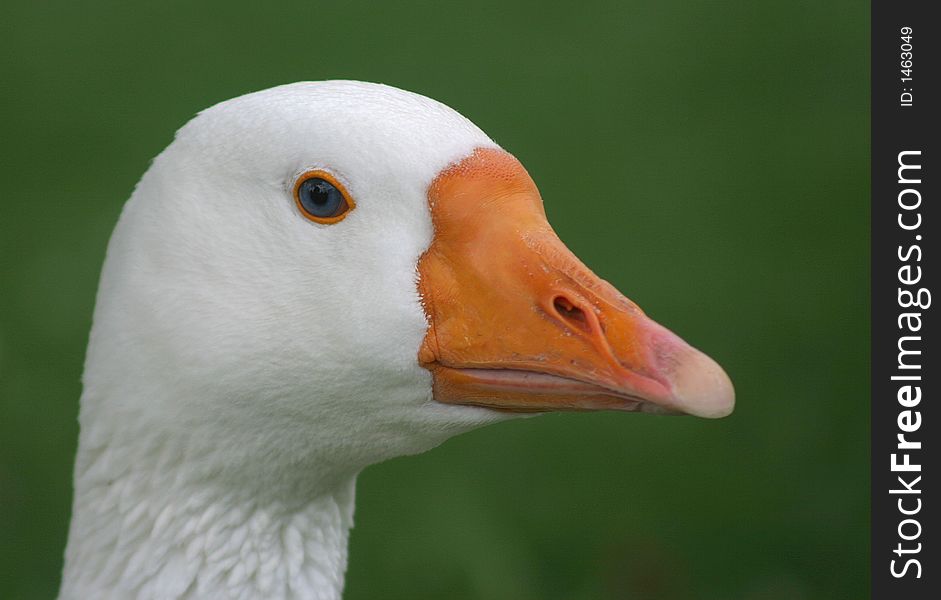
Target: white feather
x=245 y=363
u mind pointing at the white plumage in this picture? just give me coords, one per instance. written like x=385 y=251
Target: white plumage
x=242 y=368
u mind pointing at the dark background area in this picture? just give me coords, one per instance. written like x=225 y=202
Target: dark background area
x=710 y=159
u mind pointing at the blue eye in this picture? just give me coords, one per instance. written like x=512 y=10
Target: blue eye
x=321 y=200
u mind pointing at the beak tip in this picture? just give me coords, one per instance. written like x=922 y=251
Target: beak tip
x=701 y=387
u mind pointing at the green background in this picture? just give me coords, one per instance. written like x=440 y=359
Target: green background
x=708 y=158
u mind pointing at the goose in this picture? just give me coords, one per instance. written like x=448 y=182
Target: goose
x=309 y=280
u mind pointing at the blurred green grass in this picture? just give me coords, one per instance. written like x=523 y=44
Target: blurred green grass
x=708 y=158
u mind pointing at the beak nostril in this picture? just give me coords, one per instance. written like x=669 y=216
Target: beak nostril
x=571 y=314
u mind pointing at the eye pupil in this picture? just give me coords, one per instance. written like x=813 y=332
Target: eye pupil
x=320 y=193
x=320 y=198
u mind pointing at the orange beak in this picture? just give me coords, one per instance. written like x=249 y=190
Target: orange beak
x=518 y=323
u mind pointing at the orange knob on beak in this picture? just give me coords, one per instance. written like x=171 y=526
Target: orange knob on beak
x=518 y=323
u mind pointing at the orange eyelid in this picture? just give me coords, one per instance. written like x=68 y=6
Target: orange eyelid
x=348 y=203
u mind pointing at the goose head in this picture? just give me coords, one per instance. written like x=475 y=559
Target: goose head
x=321 y=276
